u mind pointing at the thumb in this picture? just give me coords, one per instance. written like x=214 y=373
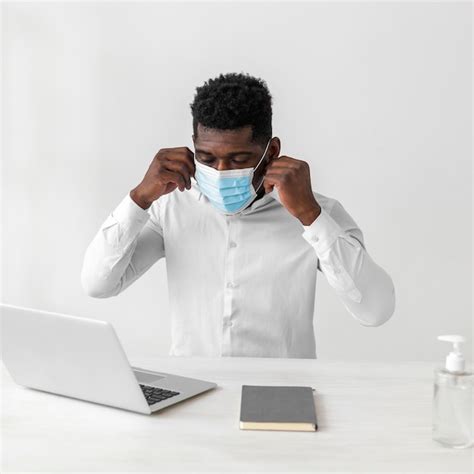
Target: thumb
x=268 y=187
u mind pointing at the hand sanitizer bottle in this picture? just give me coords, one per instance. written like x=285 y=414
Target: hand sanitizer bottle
x=453 y=399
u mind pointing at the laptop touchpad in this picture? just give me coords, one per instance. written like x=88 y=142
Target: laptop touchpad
x=145 y=378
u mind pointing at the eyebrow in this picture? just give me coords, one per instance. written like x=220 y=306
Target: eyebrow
x=233 y=153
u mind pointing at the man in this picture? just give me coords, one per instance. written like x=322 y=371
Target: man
x=243 y=234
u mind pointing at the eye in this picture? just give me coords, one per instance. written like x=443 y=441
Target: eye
x=240 y=161
x=205 y=160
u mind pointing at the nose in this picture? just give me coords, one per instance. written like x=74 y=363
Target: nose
x=222 y=166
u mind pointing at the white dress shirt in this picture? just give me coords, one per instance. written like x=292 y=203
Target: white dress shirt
x=240 y=285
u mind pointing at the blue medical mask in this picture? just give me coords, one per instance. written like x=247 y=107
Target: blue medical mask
x=229 y=191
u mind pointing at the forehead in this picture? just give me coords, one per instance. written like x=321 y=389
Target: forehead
x=225 y=140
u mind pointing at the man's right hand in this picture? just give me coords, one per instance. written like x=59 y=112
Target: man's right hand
x=171 y=168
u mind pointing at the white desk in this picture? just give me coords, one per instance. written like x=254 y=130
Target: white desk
x=372 y=418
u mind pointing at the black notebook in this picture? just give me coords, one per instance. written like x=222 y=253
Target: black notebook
x=277 y=408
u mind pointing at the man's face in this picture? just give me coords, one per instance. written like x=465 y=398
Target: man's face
x=232 y=150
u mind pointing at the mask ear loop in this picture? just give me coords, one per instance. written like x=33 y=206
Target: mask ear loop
x=258 y=164
x=263 y=156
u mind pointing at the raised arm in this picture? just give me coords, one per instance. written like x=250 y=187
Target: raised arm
x=127 y=244
x=365 y=288
x=130 y=240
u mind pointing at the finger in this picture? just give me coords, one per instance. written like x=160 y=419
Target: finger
x=280 y=171
x=179 y=167
x=187 y=158
x=267 y=186
x=173 y=177
x=189 y=154
x=284 y=163
x=272 y=180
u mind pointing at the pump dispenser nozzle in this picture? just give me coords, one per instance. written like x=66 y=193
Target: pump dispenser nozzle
x=455 y=359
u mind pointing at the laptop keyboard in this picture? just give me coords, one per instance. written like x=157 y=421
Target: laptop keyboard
x=154 y=394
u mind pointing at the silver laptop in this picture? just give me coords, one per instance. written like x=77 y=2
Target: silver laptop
x=83 y=358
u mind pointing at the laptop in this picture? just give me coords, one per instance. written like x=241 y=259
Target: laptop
x=82 y=358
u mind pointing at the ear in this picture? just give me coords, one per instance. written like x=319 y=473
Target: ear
x=276 y=144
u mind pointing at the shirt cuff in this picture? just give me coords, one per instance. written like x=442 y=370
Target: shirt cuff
x=322 y=232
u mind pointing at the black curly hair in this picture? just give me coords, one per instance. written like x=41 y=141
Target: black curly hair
x=234 y=100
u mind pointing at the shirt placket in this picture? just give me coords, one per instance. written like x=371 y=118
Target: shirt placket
x=229 y=286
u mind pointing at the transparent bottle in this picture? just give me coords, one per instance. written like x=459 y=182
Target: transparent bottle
x=453 y=400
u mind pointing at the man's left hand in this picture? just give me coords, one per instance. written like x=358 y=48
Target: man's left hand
x=292 y=179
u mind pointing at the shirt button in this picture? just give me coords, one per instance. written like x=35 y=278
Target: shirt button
x=316 y=239
x=232 y=244
x=231 y=285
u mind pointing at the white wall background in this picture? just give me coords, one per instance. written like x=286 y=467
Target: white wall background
x=375 y=96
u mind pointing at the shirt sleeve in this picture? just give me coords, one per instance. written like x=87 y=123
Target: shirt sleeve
x=127 y=244
x=365 y=288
